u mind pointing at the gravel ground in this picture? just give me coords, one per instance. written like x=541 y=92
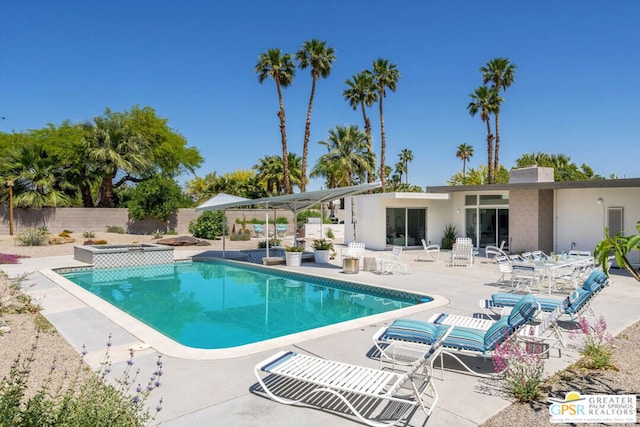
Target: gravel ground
x=52 y=349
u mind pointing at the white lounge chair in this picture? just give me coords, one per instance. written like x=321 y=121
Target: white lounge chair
x=430 y=252
x=293 y=378
x=391 y=262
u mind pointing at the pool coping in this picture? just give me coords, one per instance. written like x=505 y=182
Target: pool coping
x=167 y=346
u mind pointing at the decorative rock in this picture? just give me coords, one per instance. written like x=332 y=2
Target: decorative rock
x=59 y=240
x=179 y=241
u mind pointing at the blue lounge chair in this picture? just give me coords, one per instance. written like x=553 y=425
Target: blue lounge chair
x=461 y=339
x=576 y=304
x=291 y=378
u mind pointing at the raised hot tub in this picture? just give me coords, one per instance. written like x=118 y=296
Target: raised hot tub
x=108 y=256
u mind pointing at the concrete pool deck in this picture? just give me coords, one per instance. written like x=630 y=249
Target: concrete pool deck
x=218 y=392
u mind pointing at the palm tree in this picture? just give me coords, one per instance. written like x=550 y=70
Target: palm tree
x=112 y=147
x=464 y=153
x=281 y=69
x=316 y=55
x=347 y=160
x=485 y=101
x=501 y=73
x=36 y=178
x=270 y=172
x=361 y=92
x=385 y=75
x=406 y=156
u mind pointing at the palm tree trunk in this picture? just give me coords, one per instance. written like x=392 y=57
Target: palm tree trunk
x=489 y=153
x=283 y=133
x=383 y=144
x=87 y=198
x=307 y=135
x=496 y=164
x=106 y=192
x=367 y=131
x=464 y=169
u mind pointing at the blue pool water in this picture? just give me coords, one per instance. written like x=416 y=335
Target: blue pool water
x=215 y=305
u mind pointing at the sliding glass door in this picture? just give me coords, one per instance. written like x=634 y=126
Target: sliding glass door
x=406 y=226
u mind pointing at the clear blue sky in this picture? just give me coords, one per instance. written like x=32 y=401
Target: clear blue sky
x=576 y=92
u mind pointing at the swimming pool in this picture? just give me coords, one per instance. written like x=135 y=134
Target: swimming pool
x=220 y=304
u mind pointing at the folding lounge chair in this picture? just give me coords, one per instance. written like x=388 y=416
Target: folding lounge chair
x=293 y=378
x=461 y=339
x=391 y=262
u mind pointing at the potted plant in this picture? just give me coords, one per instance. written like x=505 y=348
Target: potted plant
x=322 y=250
x=449 y=236
x=293 y=255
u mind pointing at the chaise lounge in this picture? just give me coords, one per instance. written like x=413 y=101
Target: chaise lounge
x=293 y=378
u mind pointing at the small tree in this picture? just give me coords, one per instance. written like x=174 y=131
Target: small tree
x=158 y=197
x=208 y=225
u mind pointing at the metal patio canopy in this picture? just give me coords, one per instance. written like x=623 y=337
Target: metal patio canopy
x=294 y=202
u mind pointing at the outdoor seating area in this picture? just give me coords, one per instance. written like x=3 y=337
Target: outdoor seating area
x=321 y=371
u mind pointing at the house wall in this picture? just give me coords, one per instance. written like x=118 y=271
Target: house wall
x=371 y=220
x=581 y=220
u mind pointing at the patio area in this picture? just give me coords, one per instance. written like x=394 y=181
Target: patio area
x=200 y=392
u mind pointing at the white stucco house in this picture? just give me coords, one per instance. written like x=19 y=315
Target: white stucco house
x=530 y=212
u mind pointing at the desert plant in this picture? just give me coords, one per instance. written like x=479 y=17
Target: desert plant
x=33 y=237
x=64 y=234
x=243 y=235
x=89 y=234
x=620 y=246
x=330 y=234
x=158 y=234
x=10 y=258
x=322 y=245
x=115 y=229
x=595 y=345
x=85 y=400
x=449 y=236
x=297 y=248
x=172 y=232
x=522 y=370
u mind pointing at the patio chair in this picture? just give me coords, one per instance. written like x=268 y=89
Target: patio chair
x=504 y=266
x=293 y=378
x=391 y=262
x=258 y=230
x=430 y=252
x=281 y=230
x=462 y=254
x=524 y=277
x=461 y=339
x=492 y=252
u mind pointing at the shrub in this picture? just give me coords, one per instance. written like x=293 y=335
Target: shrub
x=158 y=234
x=33 y=237
x=115 y=229
x=330 y=234
x=64 y=233
x=595 y=346
x=86 y=401
x=208 y=225
x=172 y=232
x=322 y=245
x=89 y=234
x=522 y=370
x=273 y=242
x=10 y=258
x=241 y=236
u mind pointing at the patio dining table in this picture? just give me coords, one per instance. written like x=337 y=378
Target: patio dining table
x=552 y=266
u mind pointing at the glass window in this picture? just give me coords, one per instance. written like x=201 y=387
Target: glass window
x=471 y=200
x=494 y=199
